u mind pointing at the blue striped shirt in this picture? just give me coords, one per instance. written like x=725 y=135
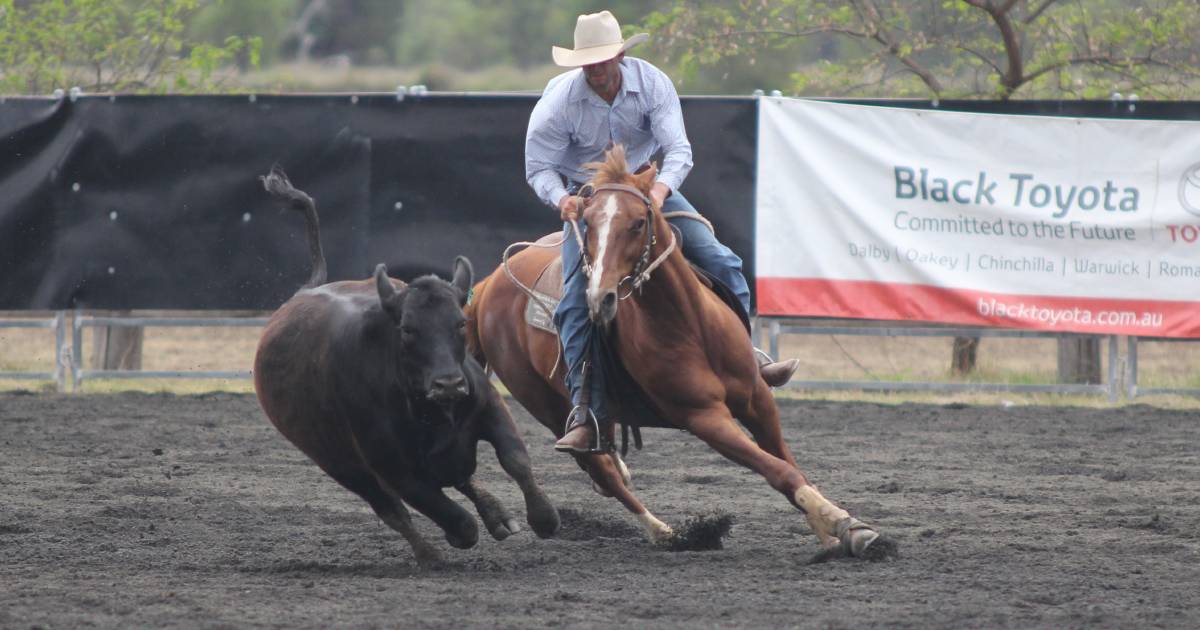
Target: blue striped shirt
x=571 y=125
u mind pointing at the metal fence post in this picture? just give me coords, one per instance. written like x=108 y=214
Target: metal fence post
x=774 y=338
x=1131 y=367
x=60 y=379
x=1113 y=384
x=76 y=350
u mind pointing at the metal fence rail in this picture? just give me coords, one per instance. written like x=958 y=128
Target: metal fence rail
x=79 y=374
x=775 y=327
x=54 y=323
x=1132 y=390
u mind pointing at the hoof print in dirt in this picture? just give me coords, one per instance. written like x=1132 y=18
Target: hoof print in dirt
x=577 y=525
x=881 y=549
x=705 y=532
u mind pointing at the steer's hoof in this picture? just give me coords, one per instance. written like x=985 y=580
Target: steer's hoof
x=501 y=532
x=428 y=557
x=542 y=516
x=466 y=538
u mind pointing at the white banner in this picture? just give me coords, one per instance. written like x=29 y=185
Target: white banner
x=1070 y=224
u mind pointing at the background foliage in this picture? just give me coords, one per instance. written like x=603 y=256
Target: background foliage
x=110 y=45
x=927 y=48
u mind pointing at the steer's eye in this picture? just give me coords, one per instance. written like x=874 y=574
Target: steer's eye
x=408 y=331
x=462 y=325
x=638 y=225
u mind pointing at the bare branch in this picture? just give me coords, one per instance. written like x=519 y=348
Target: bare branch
x=1037 y=12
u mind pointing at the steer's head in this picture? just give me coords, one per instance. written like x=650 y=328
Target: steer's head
x=429 y=329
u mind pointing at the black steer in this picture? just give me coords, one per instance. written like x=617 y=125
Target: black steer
x=371 y=380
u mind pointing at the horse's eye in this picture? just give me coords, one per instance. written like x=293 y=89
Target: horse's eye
x=638 y=225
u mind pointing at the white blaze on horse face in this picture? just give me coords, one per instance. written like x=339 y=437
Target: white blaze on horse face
x=602 y=223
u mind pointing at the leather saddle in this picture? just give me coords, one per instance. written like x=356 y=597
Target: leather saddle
x=547 y=292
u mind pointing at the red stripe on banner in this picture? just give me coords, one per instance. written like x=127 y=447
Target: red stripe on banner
x=810 y=297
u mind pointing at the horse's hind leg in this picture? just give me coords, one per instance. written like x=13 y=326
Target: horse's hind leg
x=832 y=524
x=762 y=420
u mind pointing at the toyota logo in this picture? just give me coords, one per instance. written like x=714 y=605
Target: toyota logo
x=1189 y=189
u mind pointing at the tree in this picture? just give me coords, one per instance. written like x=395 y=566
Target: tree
x=999 y=49
x=109 y=45
x=953 y=48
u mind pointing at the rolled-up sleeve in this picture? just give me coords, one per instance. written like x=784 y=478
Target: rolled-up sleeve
x=546 y=141
x=666 y=122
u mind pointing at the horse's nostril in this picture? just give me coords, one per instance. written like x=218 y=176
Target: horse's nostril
x=610 y=299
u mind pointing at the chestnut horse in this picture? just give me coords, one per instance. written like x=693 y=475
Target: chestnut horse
x=687 y=350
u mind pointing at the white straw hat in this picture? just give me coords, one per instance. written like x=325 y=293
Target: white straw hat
x=597 y=38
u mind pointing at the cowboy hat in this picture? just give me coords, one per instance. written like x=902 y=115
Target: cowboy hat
x=597 y=38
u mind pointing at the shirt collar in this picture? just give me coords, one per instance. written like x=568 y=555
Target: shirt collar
x=630 y=82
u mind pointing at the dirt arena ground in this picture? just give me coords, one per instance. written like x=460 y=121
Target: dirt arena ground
x=150 y=510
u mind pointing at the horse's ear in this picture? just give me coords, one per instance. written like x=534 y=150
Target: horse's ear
x=464 y=277
x=389 y=299
x=646 y=177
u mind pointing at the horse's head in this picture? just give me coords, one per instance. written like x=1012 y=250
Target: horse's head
x=620 y=231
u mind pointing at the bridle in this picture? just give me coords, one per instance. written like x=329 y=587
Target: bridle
x=644 y=266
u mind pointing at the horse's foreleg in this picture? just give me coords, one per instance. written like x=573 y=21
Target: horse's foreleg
x=605 y=473
x=832 y=524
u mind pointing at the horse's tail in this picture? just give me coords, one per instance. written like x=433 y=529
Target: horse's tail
x=474 y=346
x=276 y=183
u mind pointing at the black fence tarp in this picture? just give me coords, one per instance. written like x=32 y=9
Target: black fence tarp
x=152 y=202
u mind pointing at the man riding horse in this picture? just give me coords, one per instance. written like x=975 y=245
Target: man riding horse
x=611 y=100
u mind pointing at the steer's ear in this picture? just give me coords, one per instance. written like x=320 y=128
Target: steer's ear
x=388 y=298
x=464 y=277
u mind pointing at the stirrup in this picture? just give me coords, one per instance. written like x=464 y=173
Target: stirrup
x=572 y=422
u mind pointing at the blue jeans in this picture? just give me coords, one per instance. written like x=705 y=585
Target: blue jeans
x=575 y=329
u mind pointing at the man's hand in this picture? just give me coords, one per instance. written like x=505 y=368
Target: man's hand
x=568 y=208
x=659 y=193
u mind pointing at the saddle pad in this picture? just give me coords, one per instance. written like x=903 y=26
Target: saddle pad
x=538 y=317
x=547 y=293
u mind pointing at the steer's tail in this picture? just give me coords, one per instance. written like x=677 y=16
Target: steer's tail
x=276 y=183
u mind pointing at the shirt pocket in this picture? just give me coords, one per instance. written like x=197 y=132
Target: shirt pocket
x=590 y=133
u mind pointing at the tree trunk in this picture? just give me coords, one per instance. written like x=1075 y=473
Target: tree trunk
x=118 y=347
x=962 y=359
x=1079 y=360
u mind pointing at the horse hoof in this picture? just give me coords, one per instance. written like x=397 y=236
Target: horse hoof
x=857 y=542
x=860 y=540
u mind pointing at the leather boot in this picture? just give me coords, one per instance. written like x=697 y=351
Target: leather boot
x=580 y=438
x=775 y=373
x=582 y=425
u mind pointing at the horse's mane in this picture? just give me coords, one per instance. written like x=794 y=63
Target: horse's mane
x=613 y=170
